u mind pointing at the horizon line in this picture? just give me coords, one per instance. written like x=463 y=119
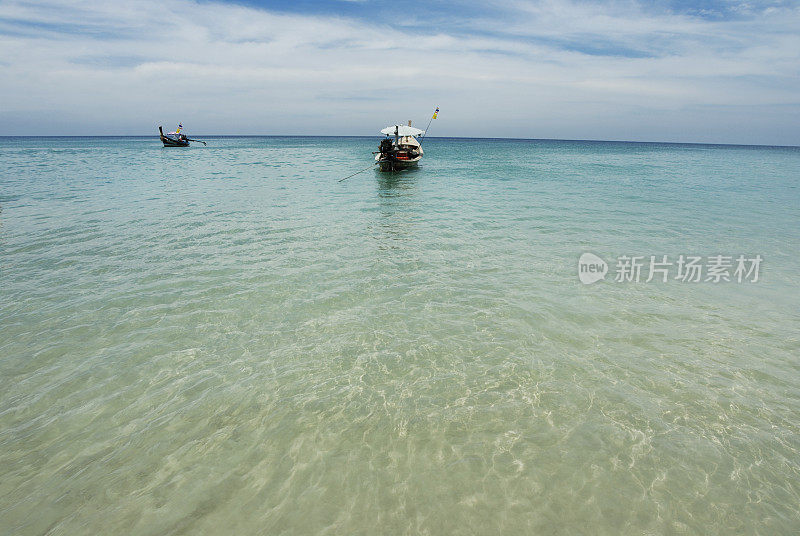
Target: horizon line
x=651 y=142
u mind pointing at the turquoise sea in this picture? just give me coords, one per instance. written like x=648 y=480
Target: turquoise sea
x=226 y=340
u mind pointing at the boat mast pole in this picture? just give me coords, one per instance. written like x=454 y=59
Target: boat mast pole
x=427 y=128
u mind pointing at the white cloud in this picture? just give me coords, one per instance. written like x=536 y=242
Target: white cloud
x=537 y=69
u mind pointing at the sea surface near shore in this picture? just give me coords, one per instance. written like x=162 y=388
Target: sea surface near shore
x=227 y=340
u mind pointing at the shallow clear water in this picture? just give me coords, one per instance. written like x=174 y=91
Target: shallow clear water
x=225 y=339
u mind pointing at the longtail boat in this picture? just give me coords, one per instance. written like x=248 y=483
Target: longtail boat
x=175 y=139
x=400 y=148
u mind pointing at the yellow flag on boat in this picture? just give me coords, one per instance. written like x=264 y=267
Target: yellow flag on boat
x=436 y=112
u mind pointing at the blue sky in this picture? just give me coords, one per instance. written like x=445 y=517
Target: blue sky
x=704 y=71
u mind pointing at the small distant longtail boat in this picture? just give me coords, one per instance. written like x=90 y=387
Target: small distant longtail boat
x=404 y=151
x=175 y=139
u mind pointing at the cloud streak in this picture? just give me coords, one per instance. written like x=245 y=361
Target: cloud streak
x=550 y=69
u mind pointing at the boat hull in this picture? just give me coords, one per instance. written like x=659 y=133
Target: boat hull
x=392 y=164
x=172 y=143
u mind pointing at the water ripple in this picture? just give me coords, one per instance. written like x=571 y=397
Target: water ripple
x=226 y=339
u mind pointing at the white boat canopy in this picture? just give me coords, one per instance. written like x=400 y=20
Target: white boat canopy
x=402 y=130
